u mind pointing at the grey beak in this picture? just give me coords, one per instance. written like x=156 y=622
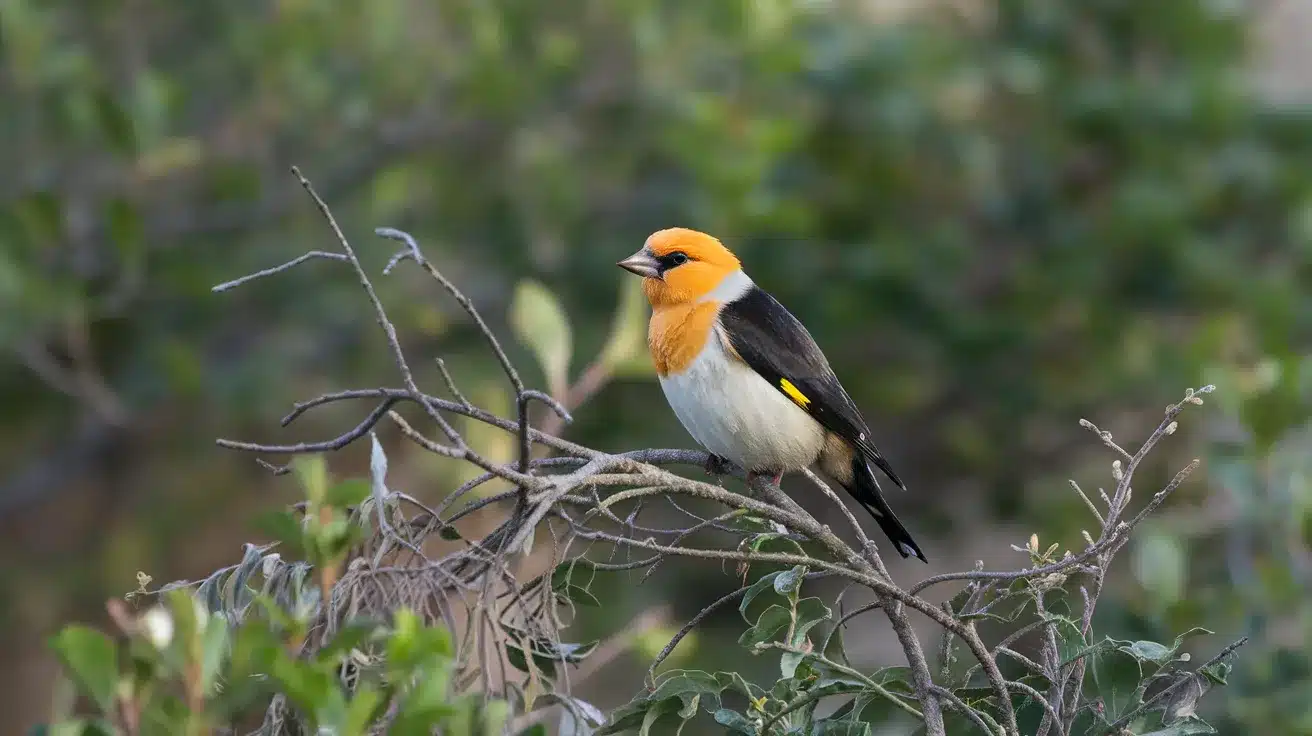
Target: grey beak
x=641 y=263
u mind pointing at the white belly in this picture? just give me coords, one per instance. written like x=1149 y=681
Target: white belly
x=733 y=412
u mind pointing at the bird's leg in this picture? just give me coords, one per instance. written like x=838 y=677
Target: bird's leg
x=772 y=478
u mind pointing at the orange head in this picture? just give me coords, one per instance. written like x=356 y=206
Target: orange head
x=680 y=266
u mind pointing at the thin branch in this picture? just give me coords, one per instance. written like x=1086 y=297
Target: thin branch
x=807 y=698
x=389 y=330
x=279 y=269
x=686 y=629
x=978 y=717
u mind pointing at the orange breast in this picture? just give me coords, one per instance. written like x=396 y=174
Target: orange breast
x=677 y=334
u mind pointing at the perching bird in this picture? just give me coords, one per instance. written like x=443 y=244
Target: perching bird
x=746 y=379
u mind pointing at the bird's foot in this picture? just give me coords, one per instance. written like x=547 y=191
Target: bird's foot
x=770 y=478
x=717 y=466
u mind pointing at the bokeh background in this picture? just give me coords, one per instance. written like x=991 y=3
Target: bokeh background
x=997 y=217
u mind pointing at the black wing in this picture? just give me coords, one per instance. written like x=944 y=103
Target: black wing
x=778 y=347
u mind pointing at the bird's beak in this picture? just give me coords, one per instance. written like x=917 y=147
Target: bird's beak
x=641 y=263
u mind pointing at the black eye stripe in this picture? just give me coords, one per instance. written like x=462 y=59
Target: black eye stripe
x=671 y=260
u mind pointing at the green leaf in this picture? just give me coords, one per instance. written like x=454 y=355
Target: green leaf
x=350 y=492
x=1191 y=633
x=1156 y=652
x=1116 y=675
x=788 y=664
x=580 y=708
x=689 y=708
x=351 y=636
x=364 y=709
x=1182 y=703
x=764 y=583
x=283 y=526
x=734 y=682
x=312 y=473
x=1217 y=672
x=188 y=614
x=413 y=644
x=431 y=694
x=627 y=717
x=311 y=689
x=214 y=647
x=687 y=686
x=335 y=538
x=92 y=660
x=449 y=533
x=210 y=592
x=255 y=645
x=654 y=714
x=834 y=646
x=1148 y=651
x=518 y=658
x=1191 y=727
x=810 y=611
x=492 y=719
x=568 y=580
x=547 y=654
x=788 y=582
x=236 y=594
x=769 y=623
x=540 y=323
x=777 y=539
x=736 y=722
x=837 y=686
x=565 y=651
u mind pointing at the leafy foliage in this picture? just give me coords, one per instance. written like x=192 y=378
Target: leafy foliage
x=197 y=660
x=1130 y=680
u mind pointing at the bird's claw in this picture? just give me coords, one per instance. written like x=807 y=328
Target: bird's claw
x=716 y=465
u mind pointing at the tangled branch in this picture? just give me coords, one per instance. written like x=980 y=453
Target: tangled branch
x=593 y=505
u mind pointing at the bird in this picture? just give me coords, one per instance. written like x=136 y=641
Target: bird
x=746 y=379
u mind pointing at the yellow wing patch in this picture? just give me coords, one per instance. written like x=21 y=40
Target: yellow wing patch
x=793 y=393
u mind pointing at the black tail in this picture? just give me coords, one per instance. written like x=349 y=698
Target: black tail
x=865 y=489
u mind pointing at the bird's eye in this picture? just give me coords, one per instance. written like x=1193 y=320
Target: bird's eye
x=678 y=258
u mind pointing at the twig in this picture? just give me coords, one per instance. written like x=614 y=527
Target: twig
x=978 y=717
x=279 y=269
x=807 y=698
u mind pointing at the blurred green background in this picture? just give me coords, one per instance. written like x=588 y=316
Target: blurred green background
x=996 y=216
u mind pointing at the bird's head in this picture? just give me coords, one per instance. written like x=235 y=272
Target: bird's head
x=679 y=265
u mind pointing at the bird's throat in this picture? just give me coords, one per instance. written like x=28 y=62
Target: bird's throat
x=677 y=334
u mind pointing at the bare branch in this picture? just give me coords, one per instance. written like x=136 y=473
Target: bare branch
x=279 y=269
